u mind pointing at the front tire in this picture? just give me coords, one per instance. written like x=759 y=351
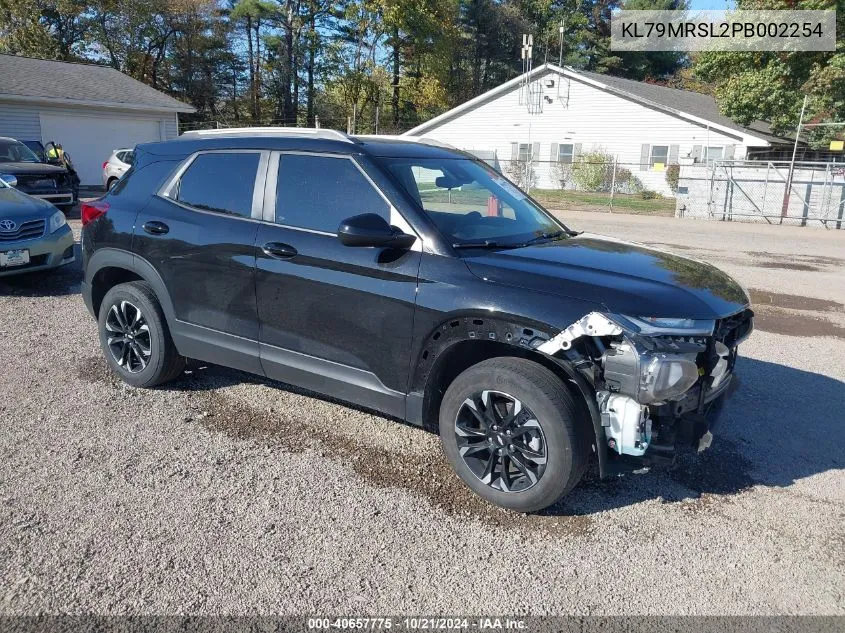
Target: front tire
x=134 y=336
x=514 y=434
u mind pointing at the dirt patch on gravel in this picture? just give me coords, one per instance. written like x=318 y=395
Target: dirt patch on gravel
x=786 y=266
x=428 y=475
x=821 y=260
x=793 y=302
x=780 y=321
x=94 y=369
x=676 y=247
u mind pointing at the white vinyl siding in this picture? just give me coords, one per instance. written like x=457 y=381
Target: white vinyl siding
x=20 y=121
x=590 y=119
x=23 y=121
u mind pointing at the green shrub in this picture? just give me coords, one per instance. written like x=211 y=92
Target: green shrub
x=672 y=174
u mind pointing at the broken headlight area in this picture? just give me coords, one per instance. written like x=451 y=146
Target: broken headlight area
x=649 y=373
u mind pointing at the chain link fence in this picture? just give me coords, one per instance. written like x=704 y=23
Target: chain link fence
x=588 y=183
x=759 y=191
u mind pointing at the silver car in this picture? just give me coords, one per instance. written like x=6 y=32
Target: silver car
x=118 y=164
x=34 y=235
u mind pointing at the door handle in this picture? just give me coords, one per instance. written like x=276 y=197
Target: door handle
x=154 y=227
x=278 y=250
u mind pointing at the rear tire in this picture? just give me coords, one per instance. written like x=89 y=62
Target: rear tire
x=111 y=183
x=523 y=462
x=134 y=336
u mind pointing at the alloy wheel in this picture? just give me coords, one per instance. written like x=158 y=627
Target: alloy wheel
x=128 y=337
x=501 y=441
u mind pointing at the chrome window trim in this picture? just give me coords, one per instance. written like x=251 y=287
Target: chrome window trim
x=257 y=209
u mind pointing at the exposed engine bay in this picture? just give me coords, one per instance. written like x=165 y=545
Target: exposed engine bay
x=654 y=379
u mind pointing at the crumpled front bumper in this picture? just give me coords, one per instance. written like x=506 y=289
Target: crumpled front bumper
x=693 y=423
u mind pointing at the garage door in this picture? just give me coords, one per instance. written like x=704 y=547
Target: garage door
x=91 y=139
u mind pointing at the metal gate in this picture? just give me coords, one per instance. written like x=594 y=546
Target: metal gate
x=753 y=191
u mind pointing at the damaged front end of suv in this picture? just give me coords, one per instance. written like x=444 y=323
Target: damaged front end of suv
x=659 y=383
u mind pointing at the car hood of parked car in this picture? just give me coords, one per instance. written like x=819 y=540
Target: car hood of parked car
x=625 y=278
x=15 y=205
x=30 y=168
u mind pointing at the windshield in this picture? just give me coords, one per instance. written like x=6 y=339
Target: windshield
x=16 y=152
x=471 y=203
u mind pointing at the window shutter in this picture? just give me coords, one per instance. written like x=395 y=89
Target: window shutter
x=553 y=156
x=729 y=152
x=696 y=153
x=644 y=157
x=673 y=155
x=535 y=152
x=514 y=151
x=576 y=151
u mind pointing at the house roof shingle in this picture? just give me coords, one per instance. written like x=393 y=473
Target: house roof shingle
x=58 y=82
x=694 y=103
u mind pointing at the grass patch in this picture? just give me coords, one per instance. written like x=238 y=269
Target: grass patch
x=564 y=200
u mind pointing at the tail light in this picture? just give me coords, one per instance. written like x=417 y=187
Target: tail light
x=105 y=162
x=90 y=211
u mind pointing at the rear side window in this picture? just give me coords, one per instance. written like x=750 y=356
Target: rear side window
x=129 y=157
x=221 y=182
x=319 y=192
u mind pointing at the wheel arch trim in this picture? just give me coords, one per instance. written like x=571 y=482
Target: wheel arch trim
x=525 y=338
x=118 y=258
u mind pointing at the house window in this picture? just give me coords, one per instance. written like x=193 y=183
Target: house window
x=659 y=155
x=565 y=153
x=524 y=152
x=713 y=153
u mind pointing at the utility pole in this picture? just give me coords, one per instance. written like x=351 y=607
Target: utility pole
x=560 y=45
x=527 y=66
x=785 y=206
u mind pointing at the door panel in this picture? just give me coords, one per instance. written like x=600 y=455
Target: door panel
x=207 y=262
x=347 y=311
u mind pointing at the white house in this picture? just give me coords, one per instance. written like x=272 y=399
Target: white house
x=90 y=110
x=556 y=113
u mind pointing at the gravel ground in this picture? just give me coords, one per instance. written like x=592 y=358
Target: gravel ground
x=225 y=493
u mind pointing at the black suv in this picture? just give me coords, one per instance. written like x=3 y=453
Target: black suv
x=414 y=280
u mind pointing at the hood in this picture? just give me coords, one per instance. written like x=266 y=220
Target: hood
x=15 y=205
x=625 y=278
x=31 y=168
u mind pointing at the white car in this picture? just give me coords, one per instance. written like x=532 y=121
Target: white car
x=118 y=164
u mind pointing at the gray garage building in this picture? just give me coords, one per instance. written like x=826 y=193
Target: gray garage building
x=91 y=110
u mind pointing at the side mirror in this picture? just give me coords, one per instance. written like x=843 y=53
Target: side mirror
x=9 y=179
x=369 y=229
